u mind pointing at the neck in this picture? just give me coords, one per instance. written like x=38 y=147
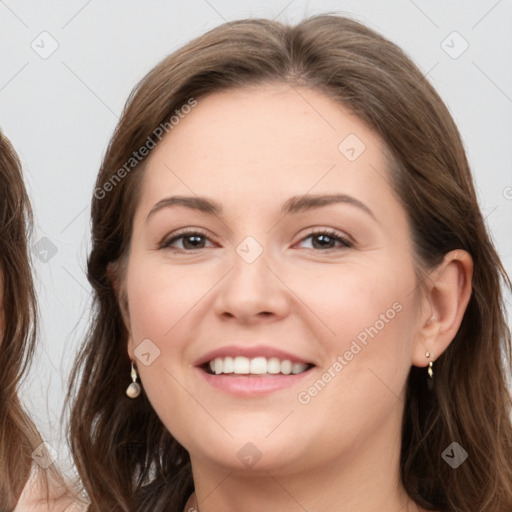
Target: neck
x=364 y=478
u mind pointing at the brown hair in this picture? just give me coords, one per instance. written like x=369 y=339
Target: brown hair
x=18 y=436
x=125 y=456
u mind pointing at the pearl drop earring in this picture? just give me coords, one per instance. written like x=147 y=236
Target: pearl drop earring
x=430 y=371
x=133 y=390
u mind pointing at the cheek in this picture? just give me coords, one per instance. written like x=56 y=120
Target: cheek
x=366 y=320
x=344 y=301
x=159 y=297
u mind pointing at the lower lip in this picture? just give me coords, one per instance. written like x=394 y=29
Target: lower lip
x=244 y=385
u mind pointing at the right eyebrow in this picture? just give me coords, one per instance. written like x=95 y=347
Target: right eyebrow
x=195 y=203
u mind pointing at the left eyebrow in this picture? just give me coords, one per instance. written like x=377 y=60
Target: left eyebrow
x=295 y=204
x=298 y=204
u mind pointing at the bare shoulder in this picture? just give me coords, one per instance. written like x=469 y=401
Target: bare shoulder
x=29 y=503
x=48 y=495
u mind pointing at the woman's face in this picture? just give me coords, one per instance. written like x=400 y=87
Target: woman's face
x=267 y=239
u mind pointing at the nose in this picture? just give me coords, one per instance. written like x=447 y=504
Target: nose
x=252 y=292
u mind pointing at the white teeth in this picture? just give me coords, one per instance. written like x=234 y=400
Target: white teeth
x=298 y=368
x=228 y=365
x=256 y=366
x=286 y=367
x=273 y=365
x=218 y=365
x=242 y=365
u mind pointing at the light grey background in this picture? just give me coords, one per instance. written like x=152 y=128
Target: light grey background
x=59 y=110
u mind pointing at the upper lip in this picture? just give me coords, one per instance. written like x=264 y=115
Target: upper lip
x=249 y=352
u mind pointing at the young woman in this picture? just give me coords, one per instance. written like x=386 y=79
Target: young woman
x=295 y=288
x=25 y=485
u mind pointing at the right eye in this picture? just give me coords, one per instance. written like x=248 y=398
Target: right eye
x=189 y=241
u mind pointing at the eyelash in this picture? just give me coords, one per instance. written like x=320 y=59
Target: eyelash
x=346 y=243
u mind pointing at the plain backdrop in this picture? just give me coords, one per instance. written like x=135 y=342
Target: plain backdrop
x=67 y=69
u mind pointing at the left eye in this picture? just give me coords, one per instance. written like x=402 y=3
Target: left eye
x=327 y=240
x=321 y=240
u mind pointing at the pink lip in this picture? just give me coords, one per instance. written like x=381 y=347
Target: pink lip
x=249 y=352
x=247 y=385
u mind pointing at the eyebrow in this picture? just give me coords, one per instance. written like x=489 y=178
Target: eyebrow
x=295 y=204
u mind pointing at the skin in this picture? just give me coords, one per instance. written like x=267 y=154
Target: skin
x=251 y=150
x=35 y=498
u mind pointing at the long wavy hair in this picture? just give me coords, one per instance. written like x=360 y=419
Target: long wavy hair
x=18 y=435
x=126 y=458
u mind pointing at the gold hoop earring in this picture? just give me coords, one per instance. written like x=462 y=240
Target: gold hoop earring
x=133 y=390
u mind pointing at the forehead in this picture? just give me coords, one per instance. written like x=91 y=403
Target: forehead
x=266 y=141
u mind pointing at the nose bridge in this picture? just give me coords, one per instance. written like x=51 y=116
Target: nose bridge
x=251 y=287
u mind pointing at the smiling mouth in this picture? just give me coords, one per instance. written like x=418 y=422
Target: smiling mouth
x=261 y=366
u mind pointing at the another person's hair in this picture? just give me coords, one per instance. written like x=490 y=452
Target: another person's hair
x=20 y=477
x=126 y=458
x=18 y=435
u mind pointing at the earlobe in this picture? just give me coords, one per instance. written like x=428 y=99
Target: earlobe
x=447 y=294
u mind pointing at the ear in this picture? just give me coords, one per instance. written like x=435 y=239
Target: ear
x=446 y=296
x=113 y=276
x=130 y=347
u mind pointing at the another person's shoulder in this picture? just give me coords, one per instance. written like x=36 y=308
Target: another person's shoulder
x=43 y=493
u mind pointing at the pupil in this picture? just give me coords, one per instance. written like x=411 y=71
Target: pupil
x=196 y=240
x=325 y=238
